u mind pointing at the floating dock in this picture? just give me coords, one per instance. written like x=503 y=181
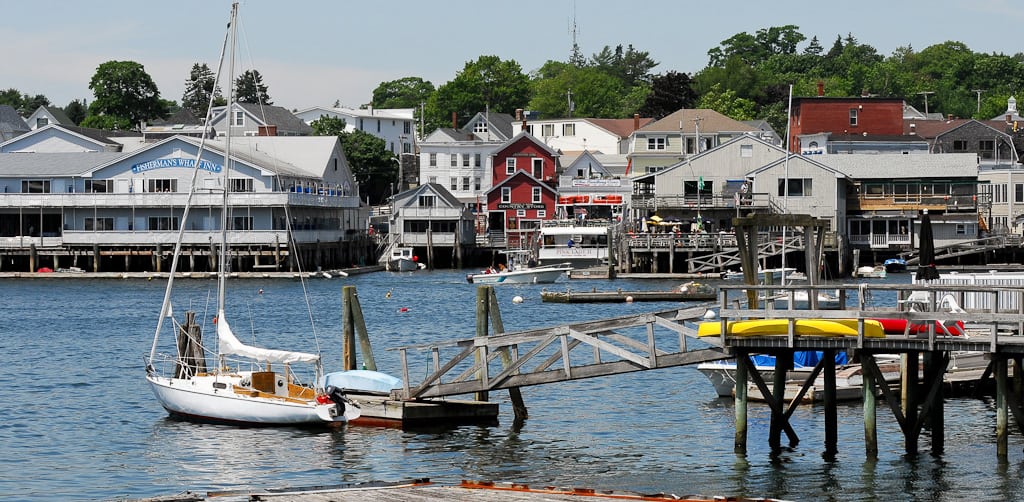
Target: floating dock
x=382 y=411
x=625 y=296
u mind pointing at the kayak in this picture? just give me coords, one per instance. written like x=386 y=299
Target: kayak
x=802 y=327
x=899 y=326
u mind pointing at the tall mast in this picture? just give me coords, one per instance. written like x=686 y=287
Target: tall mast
x=222 y=261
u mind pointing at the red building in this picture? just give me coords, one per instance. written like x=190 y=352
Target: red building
x=843 y=118
x=523 y=189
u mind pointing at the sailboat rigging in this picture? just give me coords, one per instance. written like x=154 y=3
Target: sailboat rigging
x=244 y=386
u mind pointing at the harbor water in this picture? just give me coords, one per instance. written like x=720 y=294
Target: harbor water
x=80 y=423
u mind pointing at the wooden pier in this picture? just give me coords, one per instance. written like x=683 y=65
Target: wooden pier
x=620 y=296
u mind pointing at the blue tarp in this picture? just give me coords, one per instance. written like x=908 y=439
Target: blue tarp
x=801 y=359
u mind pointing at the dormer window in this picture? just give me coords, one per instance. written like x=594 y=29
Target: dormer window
x=480 y=126
x=238 y=119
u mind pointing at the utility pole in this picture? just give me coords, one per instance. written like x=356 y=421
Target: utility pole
x=925 y=94
x=979 y=91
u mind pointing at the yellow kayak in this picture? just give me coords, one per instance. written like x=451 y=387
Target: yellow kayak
x=802 y=327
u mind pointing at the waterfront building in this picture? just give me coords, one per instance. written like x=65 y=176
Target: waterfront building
x=607 y=136
x=680 y=136
x=431 y=221
x=121 y=211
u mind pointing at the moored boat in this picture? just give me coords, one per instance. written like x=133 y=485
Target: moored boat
x=520 y=269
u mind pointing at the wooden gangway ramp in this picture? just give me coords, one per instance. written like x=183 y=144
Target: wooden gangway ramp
x=555 y=354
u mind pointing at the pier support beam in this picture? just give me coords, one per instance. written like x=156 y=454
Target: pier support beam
x=831 y=412
x=870 y=411
x=740 y=442
x=1002 y=418
x=911 y=367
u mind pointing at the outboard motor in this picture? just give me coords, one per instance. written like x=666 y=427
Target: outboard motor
x=338 y=396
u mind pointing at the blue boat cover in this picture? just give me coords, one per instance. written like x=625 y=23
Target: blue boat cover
x=801 y=359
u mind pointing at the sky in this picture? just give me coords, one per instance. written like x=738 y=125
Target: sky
x=316 y=52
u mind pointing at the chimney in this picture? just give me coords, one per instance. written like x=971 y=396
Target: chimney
x=636 y=121
x=913 y=129
x=519 y=114
x=821 y=88
x=864 y=93
x=455 y=121
x=949 y=117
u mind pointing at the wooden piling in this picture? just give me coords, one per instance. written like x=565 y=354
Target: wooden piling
x=740 y=441
x=831 y=412
x=1002 y=418
x=482 y=302
x=870 y=410
x=911 y=367
x=783 y=361
x=348 y=338
x=514 y=394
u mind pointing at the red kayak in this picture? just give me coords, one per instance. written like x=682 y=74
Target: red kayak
x=899 y=326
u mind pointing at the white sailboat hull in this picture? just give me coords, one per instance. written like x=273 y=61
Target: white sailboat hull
x=198 y=398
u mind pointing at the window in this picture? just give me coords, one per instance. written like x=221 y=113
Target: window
x=568 y=129
x=538 y=168
x=241 y=223
x=406 y=127
x=406 y=148
x=99 y=186
x=241 y=185
x=477 y=159
x=542 y=213
x=99 y=224
x=427 y=201
x=480 y=126
x=547 y=130
x=521 y=213
x=536 y=195
x=454 y=160
x=510 y=165
x=42 y=122
x=433 y=160
x=690 y=145
x=476 y=183
x=692 y=188
x=465 y=183
x=506 y=194
x=378 y=126
x=453 y=183
x=961 y=229
x=746 y=151
x=162 y=185
x=656 y=143
x=1018 y=192
x=163 y=223
x=35 y=186
x=853 y=117
x=238 y=119
x=465 y=160
x=798 y=187
x=986 y=148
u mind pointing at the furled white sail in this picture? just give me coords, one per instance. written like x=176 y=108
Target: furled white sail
x=230 y=344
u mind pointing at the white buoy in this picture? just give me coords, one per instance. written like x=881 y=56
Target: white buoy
x=629 y=299
x=517 y=299
x=710 y=314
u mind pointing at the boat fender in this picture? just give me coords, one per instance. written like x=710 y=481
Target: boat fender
x=403 y=309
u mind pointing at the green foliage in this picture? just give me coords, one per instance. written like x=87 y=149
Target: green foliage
x=488 y=82
x=373 y=166
x=199 y=88
x=669 y=92
x=249 y=88
x=726 y=103
x=76 y=111
x=630 y=66
x=594 y=93
x=408 y=92
x=124 y=96
x=328 y=126
x=23 y=103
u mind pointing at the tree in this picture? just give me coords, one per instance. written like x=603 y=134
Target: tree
x=76 y=111
x=23 y=103
x=629 y=66
x=669 y=92
x=408 y=92
x=249 y=88
x=328 y=126
x=125 y=96
x=594 y=93
x=487 y=83
x=726 y=103
x=199 y=88
x=373 y=166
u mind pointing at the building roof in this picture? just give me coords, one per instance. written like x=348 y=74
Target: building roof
x=53 y=164
x=897 y=165
x=11 y=123
x=620 y=127
x=532 y=138
x=931 y=129
x=269 y=115
x=58 y=115
x=410 y=196
x=710 y=122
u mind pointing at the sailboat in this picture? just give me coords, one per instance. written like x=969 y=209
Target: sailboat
x=247 y=385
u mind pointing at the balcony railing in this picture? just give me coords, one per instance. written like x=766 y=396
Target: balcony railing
x=947 y=203
x=168 y=199
x=718 y=201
